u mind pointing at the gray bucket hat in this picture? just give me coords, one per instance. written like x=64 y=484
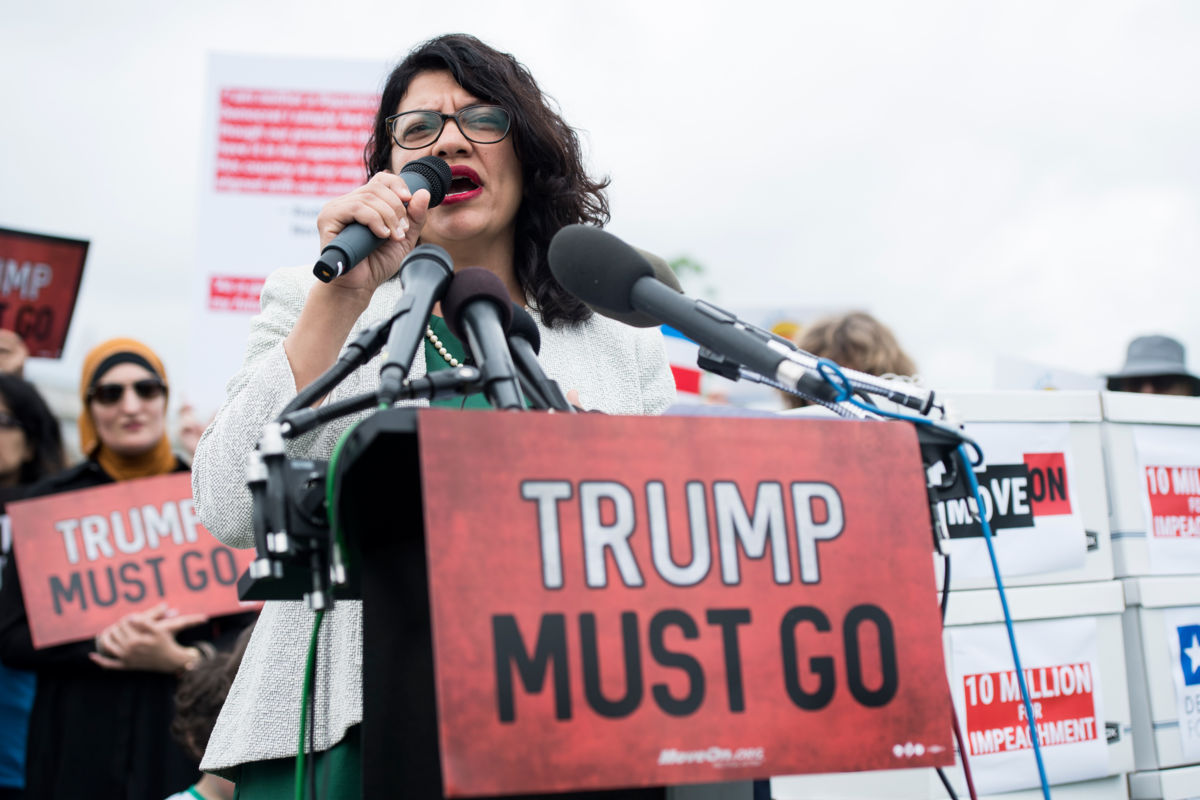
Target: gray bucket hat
x=1153 y=356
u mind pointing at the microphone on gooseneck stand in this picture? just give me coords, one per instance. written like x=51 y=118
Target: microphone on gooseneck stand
x=613 y=278
x=425 y=274
x=525 y=342
x=478 y=311
x=356 y=242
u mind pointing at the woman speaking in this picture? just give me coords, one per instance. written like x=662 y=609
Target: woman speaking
x=518 y=178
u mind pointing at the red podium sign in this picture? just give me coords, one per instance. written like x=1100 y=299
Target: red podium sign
x=628 y=601
x=39 y=281
x=90 y=557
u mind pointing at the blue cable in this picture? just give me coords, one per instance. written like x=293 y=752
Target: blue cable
x=834 y=377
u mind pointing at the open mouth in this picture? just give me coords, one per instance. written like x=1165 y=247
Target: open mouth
x=464 y=184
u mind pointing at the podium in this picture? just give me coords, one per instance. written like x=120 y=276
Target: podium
x=795 y=648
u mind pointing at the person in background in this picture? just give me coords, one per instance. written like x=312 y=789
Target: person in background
x=30 y=450
x=1155 y=365
x=198 y=702
x=102 y=708
x=13 y=353
x=855 y=340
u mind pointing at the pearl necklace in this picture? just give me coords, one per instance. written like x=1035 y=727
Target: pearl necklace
x=441 y=348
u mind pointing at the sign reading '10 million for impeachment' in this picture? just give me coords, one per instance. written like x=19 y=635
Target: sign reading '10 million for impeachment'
x=88 y=558
x=623 y=601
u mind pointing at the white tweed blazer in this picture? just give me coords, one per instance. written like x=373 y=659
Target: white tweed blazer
x=616 y=369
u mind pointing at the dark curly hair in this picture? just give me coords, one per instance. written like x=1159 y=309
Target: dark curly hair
x=557 y=189
x=39 y=425
x=201 y=694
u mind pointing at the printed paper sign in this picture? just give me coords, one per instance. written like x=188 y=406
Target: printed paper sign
x=1027 y=483
x=1062 y=676
x=39 y=281
x=645 y=601
x=90 y=557
x=282 y=136
x=1169 y=463
x=1183 y=639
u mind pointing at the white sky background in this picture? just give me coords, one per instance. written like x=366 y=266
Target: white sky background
x=990 y=179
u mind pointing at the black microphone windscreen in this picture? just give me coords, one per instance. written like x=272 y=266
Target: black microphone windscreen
x=597 y=267
x=524 y=326
x=467 y=285
x=436 y=173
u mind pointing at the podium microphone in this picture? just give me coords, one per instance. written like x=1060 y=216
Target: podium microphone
x=525 y=342
x=478 y=311
x=612 y=277
x=356 y=242
x=425 y=274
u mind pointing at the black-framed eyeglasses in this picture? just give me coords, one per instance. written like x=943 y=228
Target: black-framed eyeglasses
x=106 y=394
x=481 y=124
x=8 y=421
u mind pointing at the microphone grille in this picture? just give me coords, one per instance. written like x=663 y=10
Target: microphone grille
x=468 y=285
x=524 y=326
x=436 y=173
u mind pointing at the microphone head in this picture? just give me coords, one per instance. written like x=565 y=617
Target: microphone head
x=601 y=270
x=436 y=174
x=470 y=284
x=524 y=326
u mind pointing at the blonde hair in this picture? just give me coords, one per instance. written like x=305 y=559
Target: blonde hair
x=858 y=341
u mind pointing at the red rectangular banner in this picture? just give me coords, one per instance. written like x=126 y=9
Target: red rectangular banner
x=632 y=601
x=1174 y=494
x=1063 y=701
x=39 y=281
x=90 y=557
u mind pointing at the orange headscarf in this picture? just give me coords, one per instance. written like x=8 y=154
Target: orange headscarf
x=159 y=459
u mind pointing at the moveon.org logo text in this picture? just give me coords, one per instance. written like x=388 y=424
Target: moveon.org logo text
x=714 y=756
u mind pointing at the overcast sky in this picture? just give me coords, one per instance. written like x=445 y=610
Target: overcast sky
x=991 y=179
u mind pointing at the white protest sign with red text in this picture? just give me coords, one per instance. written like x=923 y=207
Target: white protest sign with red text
x=282 y=137
x=90 y=557
x=632 y=601
x=1169 y=463
x=39 y=282
x=1061 y=668
x=1027 y=482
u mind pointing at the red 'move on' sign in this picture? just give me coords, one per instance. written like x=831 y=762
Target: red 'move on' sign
x=628 y=601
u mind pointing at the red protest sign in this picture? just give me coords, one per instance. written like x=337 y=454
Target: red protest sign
x=39 y=281
x=88 y=558
x=1174 y=494
x=624 y=601
x=1063 y=701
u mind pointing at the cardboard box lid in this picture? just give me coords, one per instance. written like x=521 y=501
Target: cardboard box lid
x=1024 y=406
x=1162 y=591
x=978 y=606
x=1155 y=408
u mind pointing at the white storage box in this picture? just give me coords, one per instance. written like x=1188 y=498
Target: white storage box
x=1064 y=632
x=1162 y=648
x=1181 y=783
x=1152 y=456
x=1042 y=456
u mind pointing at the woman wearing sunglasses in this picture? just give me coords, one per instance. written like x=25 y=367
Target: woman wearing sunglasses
x=518 y=178
x=103 y=708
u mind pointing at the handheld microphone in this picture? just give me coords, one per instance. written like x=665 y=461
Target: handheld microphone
x=525 y=342
x=612 y=277
x=356 y=242
x=478 y=311
x=424 y=274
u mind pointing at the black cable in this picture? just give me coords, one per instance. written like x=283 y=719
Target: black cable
x=311 y=778
x=945 y=605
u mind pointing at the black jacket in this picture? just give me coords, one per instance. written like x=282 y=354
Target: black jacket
x=97 y=733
